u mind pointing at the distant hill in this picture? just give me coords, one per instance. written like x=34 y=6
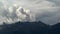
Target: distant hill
x=55 y=29
x=29 y=28
x=24 y=28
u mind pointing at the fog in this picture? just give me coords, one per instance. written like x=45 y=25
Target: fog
x=47 y=11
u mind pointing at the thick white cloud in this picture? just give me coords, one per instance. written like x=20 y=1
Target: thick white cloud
x=47 y=11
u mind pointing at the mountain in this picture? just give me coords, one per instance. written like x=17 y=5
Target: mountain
x=24 y=28
x=55 y=29
x=29 y=28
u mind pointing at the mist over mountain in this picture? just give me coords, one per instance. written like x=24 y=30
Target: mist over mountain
x=15 y=14
x=47 y=11
x=29 y=16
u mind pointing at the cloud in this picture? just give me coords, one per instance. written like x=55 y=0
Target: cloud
x=15 y=13
x=46 y=11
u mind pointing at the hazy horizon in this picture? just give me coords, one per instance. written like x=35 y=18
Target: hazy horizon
x=47 y=11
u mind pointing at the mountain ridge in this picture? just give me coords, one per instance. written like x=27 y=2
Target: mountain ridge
x=30 y=28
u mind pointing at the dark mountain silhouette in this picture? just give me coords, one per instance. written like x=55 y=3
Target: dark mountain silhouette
x=24 y=28
x=29 y=28
x=55 y=29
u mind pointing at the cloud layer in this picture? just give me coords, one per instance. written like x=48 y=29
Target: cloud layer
x=47 y=11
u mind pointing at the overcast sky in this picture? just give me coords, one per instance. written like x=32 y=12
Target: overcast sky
x=47 y=11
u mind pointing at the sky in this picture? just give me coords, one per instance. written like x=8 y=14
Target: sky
x=47 y=11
